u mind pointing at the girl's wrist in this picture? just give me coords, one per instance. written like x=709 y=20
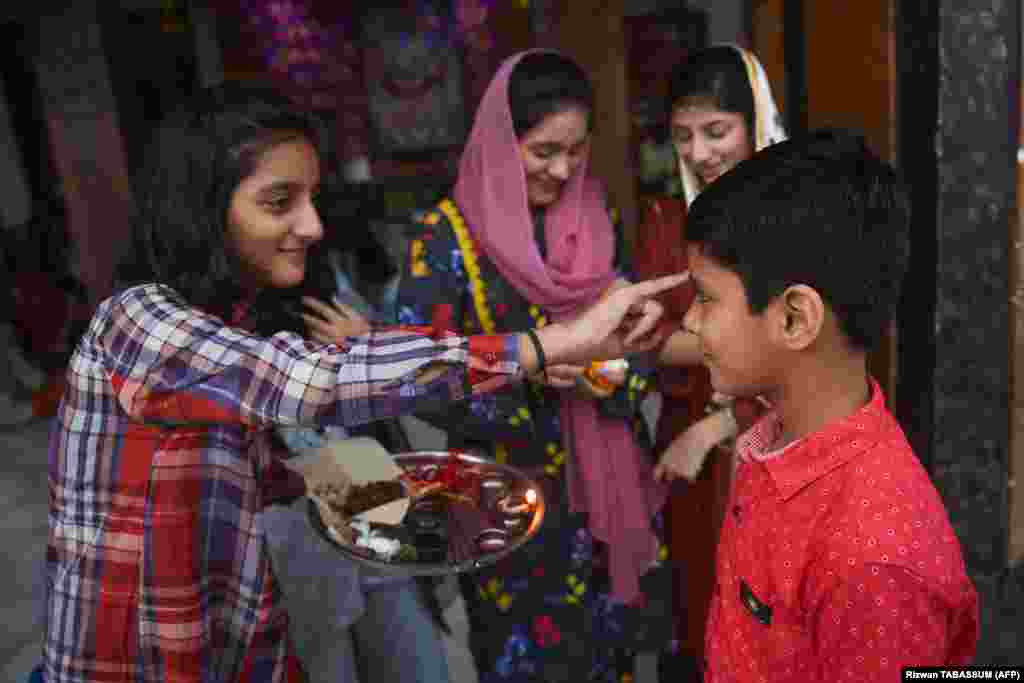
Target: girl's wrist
x=528 y=359
x=556 y=345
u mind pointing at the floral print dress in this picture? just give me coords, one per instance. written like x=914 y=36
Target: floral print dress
x=545 y=612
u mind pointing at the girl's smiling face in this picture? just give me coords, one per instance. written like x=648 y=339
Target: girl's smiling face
x=272 y=219
x=552 y=151
x=710 y=141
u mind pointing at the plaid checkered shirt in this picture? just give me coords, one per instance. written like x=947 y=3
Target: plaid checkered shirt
x=157 y=567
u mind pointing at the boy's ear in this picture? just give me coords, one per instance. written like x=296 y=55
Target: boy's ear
x=801 y=316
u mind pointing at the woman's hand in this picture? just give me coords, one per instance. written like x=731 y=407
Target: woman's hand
x=686 y=455
x=570 y=377
x=331 y=324
x=620 y=324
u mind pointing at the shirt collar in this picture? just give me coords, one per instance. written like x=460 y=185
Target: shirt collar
x=817 y=454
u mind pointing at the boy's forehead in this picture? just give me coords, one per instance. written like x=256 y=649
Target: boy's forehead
x=698 y=261
x=707 y=273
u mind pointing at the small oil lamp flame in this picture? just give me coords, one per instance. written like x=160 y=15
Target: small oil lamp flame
x=531 y=497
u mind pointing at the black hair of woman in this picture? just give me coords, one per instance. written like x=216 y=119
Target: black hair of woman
x=545 y=83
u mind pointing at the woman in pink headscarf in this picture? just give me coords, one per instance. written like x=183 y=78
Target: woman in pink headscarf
x=527 y=238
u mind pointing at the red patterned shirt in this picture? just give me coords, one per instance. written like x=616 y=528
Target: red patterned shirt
x=157 y=566
x=837 y=561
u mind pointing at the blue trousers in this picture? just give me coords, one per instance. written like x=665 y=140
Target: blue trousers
x=346 y=626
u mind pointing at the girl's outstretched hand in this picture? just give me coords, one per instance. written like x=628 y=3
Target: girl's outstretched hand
x=559 y=376
x=620 y=324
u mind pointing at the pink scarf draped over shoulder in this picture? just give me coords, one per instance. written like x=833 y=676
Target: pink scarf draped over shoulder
x=611 y=476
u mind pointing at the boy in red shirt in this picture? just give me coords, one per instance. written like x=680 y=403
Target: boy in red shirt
x=836 y=559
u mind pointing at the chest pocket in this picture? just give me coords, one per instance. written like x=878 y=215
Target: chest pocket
x=766 y=630
x=770 y=639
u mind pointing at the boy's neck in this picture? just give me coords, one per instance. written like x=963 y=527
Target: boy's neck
x=817 y=394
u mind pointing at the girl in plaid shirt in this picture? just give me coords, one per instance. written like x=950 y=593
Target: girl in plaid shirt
x=157 y=566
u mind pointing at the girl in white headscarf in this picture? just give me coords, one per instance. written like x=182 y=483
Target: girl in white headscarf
x=721 y=112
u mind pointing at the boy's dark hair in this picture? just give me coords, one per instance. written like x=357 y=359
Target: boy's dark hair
x=820 y=210
x=714 y=76
x=544 y=83
x=196 y=160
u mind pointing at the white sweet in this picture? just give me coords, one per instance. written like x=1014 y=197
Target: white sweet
x=383 y=547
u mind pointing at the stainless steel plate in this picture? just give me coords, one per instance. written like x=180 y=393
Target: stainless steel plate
x=508 y=525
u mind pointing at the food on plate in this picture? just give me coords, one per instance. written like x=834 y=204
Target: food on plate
x=341 y=503
x=329 y=497
x=363 y=497
x=384 y=542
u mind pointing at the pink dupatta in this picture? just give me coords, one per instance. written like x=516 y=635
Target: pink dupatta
x=611 y=478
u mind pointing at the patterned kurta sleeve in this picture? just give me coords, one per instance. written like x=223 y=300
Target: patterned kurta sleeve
x=434 y=291
x=172 y=364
